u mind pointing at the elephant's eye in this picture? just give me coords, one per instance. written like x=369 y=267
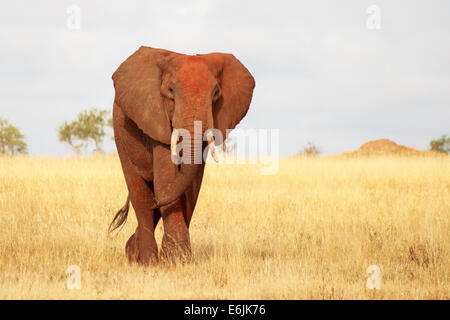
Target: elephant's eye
x=170 y=93
x=215 y=94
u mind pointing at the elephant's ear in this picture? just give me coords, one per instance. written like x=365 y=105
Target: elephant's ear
x=138 y=91
x=236 y=84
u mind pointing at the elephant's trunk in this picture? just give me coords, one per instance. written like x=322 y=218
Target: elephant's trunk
x=209 y=139
x=172 y=180
x=179 y=185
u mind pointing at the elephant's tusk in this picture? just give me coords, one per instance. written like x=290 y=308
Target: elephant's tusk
x=174 y=141
x=212 y=147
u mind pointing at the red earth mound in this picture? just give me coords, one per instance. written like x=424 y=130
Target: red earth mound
x=382 y=147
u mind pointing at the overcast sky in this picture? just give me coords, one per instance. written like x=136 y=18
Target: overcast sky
x=321 y=74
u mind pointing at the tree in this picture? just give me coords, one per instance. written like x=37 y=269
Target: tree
x=110 y=124
x=89 y=127
x=441 y=145
x=11 y=139
x=310 y=150
x=67 y=132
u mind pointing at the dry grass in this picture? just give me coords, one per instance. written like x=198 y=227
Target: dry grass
x=310 y=231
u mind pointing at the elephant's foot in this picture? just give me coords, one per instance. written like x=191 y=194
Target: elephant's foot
x=175 y=250
x=131 y=249
x=144 y=255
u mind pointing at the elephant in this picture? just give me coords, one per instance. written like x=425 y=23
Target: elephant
x=158 y=93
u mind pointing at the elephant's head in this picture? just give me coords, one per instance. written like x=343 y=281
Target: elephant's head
x=163 y=91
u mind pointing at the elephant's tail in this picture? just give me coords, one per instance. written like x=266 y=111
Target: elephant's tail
x=121 y=216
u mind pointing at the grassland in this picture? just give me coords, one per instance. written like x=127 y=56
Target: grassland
x=309 y=231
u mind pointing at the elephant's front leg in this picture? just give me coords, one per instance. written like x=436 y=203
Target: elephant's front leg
x=132 y=246
x=141 y=247
x=175 y=243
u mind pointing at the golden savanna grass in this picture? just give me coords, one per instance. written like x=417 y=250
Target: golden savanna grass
x=309 y=231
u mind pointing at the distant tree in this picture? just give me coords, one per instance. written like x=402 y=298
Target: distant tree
x=310 y=150
x=110 y=124
x=89 y=127
x=11 y=139
x=67 y=132
x=441 y=145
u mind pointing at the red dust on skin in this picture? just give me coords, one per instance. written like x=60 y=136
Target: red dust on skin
x=194 y=78
x=193 y=83
x=151 y=85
